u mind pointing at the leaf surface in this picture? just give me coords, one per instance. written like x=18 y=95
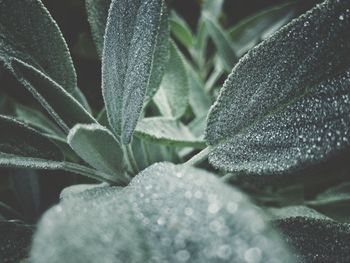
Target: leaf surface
x=164 y=202
x=286 y=105
x=134 y=57
x=98 y=147
x=28 y=33
x=97 y=12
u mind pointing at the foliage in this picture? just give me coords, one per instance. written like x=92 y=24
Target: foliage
x=262 y=140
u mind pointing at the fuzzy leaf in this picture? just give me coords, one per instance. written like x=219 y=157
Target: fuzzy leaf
x=286 y=104
x=18 y=139
x=316 y=240
x=63 y=108
x=15 y=241
x=98 y=147
x=168 y=213
x=97 y=12
x=167 y=131
x=172 y=96
x=37 y=120
x=213 y=7
x=250 y=31
x=221 y=40
x=28 y=33
x=134 y=57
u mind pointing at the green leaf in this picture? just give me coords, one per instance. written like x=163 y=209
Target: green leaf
x=221 y=40
x=181 y=30
x=134 y=57
x=167 y=213
x=167 y=131
x=334 y=202
x=250 y=31
x=24 y=147
x=286 y=104
x=172 y=96
x=97 y=12
x=295 y=211
x=37 y=120
x=316 y=240
x=62 y=106
x=199 y=100
x=98 y=147
x=15 y=241
x=213 y=7
x=18 y=139
x=28 y=33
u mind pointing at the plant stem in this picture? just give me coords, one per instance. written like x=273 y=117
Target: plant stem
x=131 y=159
x=199 y=157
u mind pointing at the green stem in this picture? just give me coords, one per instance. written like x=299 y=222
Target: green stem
x=199 y=157
x=131 y=159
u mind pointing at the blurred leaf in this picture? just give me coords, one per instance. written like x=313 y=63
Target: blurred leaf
x=316 y=240
x=181 y=30
x=200 y=102
x=63 y=108
x=28 y=33
x=167 y=131
x=133 y=61
x=334 y=202
x=172 y=96
x=222 y=42
x=15 y=240
x=97 y=12
x=256 y=28
x=162 y=202
x=25 y=185
x=73 y=190
x=98 y=147
x=285 y=107
x=213 y=7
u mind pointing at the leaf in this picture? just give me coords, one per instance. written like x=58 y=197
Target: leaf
x=214 y=7
x=18 y=139
x=37 y=120
x=63 y=108
x=221 y=40
x=98 y=147
x=295 y=211
x=181 y=30
x=28 y=33
x=286 y=104
x=76 y=189
x=334 y=202
x=134 y=58
x=172 y=96
x=97 y=12
x=168 y=213
x=250 y=31
x=15 y=240
x=167 y=131
x=316 y=240
x=199 y=101
x=24 y=147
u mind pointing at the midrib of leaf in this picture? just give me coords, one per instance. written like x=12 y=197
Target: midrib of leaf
x=152 y=61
